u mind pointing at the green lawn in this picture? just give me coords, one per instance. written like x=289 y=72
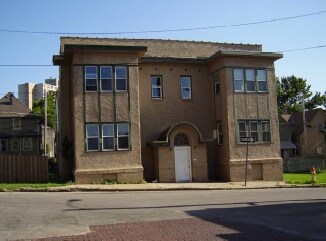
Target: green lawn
x=17 y=186
x=304 y=178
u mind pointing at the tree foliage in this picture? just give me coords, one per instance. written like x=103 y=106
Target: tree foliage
x=38 y=108
x=289 y=98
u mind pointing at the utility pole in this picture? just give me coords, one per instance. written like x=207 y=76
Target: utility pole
x=304 y=125
x=45 y=118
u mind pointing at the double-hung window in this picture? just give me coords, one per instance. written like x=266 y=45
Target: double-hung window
x=106 y=78
x=217 y=84
x=92 y=136
x=123 y=136
x=108 y=137
x=27 y=144
x=16 y=124
x=238 y=79
x=185 y=82
x=120 y=78
x=258 y=129
x=250 y=80
x=3 y=145
x=14 y=145
x=261 y=80
x=90 y=78
x=156 y=82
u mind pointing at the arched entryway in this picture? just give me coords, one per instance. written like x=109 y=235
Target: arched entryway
x=182 y=158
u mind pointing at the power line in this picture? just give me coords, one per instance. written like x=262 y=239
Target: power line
x=166 y=30
x=299 y=49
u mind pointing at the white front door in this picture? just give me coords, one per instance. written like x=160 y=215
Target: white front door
x=182 y=164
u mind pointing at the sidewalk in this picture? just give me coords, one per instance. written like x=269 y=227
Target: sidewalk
x=172 y=186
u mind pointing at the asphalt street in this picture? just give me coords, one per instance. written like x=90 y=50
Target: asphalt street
x=298 y=211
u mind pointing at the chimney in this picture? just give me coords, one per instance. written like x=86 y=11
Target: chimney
x=10 y=95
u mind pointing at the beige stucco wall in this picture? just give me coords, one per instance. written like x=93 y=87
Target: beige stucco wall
x=158 y=115
x=96 y=166
x=198 y=156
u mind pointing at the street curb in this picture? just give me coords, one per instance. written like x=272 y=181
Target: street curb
x=121 y=189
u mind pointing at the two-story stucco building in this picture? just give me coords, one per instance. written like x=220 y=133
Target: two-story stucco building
x=166 y=110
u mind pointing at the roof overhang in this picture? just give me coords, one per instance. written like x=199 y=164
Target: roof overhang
x=173 y=60
x=247 y=54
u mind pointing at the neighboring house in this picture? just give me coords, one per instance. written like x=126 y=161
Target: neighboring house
x=28 y=93
x=288 y=148
x=19 y=128
x=316 y=132
x=166 y=110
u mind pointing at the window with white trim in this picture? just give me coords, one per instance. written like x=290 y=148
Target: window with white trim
x=120 y=78
x=258 y=129
x=90 y=78
x=156 y=82
x=27 y=144
x=219 y=133
x=250 y=80
x=92 y=137
x=217 y=84
x=108 y=137
x=106 y=78
x=185 y=82
x=123 y=136
x=16 y=124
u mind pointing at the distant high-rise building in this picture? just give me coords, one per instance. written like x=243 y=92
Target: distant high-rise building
x=29 y=92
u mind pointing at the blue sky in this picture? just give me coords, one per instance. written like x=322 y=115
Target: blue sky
x=141 y=15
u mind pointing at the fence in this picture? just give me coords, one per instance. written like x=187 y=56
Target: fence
x=23 y=169
x=299 y=164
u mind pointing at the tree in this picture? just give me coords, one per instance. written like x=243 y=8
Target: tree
x=38 y=108
x=289 y=98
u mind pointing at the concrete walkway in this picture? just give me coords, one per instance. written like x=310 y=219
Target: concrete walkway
x=171 y=186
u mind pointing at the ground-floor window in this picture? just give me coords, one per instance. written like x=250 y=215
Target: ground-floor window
x=27 y=144
x=258 y=129
x=3 y=145
x=14 y=145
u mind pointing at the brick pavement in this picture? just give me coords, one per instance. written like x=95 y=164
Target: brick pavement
x=190 y=229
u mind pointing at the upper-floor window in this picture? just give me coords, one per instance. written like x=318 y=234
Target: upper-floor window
x=16 y=124
x=249 y=80
x=185 y=82
x=90 y=78
x=217 y=84
x=260 y=130
x=120 y=78
x=92 y=137
x=106 y=78
x=156 y=82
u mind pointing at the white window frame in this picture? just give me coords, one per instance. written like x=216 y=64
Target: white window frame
x=6 y=145
x=217 y=82
x=258 y=80
x=156 y=87
x=253 y=131
x=118 y=136
x=106 y=79
x=119 y=79
x=96 y=78
x=27 y=146
x=12 y=141
x=16 y=126
x=104 y=136
x=265 y=131
x=242 y=80
x=92 y=137
x=185 y=87
x=253 y=80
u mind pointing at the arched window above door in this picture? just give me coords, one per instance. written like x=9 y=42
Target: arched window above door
x=181 y=140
